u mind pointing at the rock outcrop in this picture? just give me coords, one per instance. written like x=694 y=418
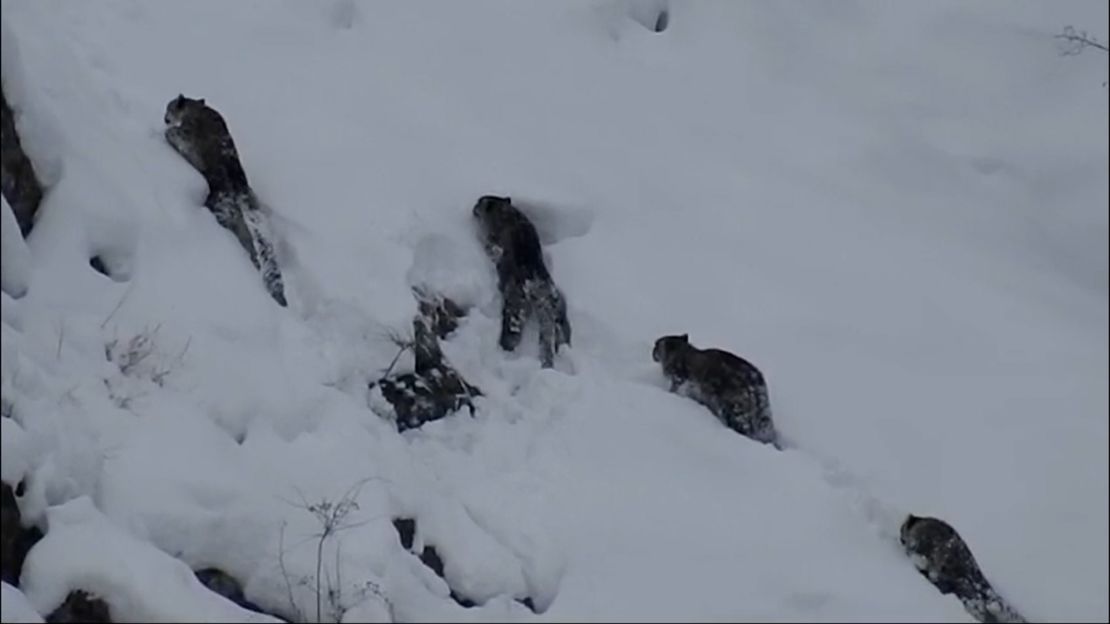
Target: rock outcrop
x=433 y=390
x=15 y=539
x=80 y=607
x=18 y=181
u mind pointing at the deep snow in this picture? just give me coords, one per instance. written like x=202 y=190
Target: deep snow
x=897 y=210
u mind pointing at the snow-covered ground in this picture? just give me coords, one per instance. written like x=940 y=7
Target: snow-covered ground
x=898 y=211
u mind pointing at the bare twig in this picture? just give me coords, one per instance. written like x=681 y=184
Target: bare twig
x=1075 y=41
x=131 y=357
x=118 y=305
x=285 y=574
x=319 y=562
x=159 y=376
x=333 y=519
x=61 y=338
x=403 y=342
x=335 y=595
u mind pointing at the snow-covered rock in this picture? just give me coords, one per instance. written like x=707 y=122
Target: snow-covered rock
x=15 y=608
x=84 y=551
x=15 y=258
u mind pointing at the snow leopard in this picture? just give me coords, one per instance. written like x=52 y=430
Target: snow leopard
x=942 y=556
x=527 y=290
x=731 y=387
x=199 y=133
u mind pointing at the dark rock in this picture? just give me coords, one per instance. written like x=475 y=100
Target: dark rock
x=80 y=606
x=112 y=265
x=18 y=181
x=662 y=21
x=441 y=313
x=653 y=15
x=15 y=539
x=941 y=555
x=98 y=265
x=462 y=601
x=527 y=601
x=427 y=355
x=406 y=531
x=430 y=557
x=225 y=585
x=433 y=391
x=418 y=399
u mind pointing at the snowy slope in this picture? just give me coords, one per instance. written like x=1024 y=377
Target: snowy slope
x=898 y=211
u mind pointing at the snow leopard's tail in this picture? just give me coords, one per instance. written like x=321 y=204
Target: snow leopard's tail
x=266 y=259
x=238 y=212
x=550 y=309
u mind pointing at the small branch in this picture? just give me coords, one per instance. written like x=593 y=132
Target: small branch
x=285 y=573
x=61 y=339
x=1076 y=40
x=319 y=564
x=118 y=305
x=336 y=597
x=332 y=519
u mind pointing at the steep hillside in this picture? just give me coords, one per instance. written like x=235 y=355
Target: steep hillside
x=898 y=211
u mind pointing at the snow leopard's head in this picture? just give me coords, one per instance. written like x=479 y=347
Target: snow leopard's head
x=906 y=536
x=668 y=346
x=925 y=536
x=489 y=207
x=181 y=107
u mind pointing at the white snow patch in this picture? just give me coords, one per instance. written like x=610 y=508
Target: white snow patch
x=83 y=550
x=15 y=608
x=15 y=259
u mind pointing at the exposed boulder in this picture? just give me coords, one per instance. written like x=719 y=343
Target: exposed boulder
x=653 y=15
x=227 y=586
x=406 y=531
x=442 y=313
x=80 y=607
x=429 y=556
x=433 y=390
x=15 y=539
x=18 y=181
